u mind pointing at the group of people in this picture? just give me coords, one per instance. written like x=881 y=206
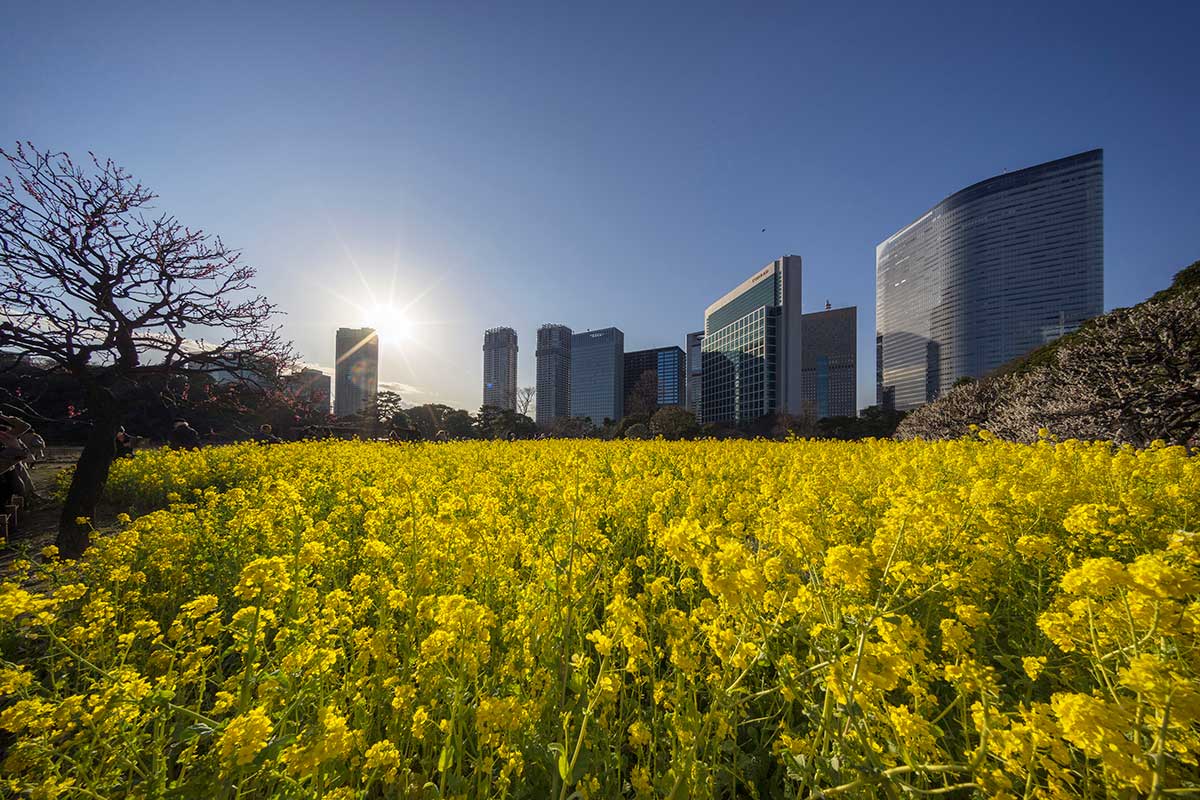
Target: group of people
x=182 y=437
x=20 y=446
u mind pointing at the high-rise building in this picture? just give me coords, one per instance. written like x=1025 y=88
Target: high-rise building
x=667 y=366
x=830 y=361
x=751 y=348
x=310 y=388
x=553 y=400
x=986 y=275
x=356 y=373
x=598 y=375
x=500 y=368
x=695 y=370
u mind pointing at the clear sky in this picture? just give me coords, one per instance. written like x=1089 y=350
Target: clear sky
x=602 y=164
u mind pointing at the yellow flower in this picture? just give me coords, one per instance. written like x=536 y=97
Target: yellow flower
x=244 y=737
x=264 y=579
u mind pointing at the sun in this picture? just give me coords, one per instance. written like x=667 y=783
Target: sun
x=390 y=323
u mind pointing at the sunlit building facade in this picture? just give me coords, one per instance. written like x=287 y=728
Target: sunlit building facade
x=987 y=275
x=356 y=373
x=500 y=368
x=598 y=375
x=553 y=399
x=752 y=347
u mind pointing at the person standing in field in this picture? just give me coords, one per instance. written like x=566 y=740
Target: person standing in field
x=124 y=443
x=183 y=436
x=13 y=454
x=266 y=435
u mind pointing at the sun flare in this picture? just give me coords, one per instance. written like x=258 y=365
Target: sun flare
x=391 y=323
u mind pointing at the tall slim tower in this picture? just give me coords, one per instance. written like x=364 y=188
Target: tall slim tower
x=500 y=368
x=695 y=370
x=553 y=373
x=988 y=274
x=356 y=374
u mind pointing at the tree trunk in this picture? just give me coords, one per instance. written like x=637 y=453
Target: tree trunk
x=91 y=473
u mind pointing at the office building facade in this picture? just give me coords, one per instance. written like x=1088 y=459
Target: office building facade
x=598 y=375
x=830 y=362
x=695 y=371
x=751 y=352
x=667 y=364
x=553 y=399
x=500 y=368
x=988 y=274
x=356 y=373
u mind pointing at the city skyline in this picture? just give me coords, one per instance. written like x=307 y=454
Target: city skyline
x=461 y=168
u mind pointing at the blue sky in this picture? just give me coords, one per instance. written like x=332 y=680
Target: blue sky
x=602 y=164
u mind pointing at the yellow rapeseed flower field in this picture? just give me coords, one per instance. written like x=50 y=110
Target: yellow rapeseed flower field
x=628 y=619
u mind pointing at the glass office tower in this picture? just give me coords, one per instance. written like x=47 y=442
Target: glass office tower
x=553 y=373
x=988 y=274
x=830 y=349
x=751 y=349
x=598 y=375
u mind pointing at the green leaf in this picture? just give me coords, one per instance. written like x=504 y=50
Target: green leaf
x=564 y=766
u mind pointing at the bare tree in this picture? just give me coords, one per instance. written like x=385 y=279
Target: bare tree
x=525 y=397
x=95 y=287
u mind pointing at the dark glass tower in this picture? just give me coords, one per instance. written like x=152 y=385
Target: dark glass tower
x=667 y=364
x=553 y=373
x=695 y=370
x=988 y=274
x=356 y=374
x=598 y=375
x=500 y=368
x=830 y=347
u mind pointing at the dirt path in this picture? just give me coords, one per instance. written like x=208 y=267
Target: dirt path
x=37 y=525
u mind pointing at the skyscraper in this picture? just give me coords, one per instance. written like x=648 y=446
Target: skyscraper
x=598 y=375
x=500 y=368
x=356 y=374
x=553 y=373
x=751 y=349
x=695 y=370
x=988 y=274
x=830 y=362
x=667 y=366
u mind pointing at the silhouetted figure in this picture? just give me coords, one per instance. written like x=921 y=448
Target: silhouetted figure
x=266 y=435
x=13 y=454
x=183 y=436
x=36 y=444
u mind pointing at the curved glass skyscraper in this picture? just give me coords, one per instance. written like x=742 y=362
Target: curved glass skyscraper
x=987 y=275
